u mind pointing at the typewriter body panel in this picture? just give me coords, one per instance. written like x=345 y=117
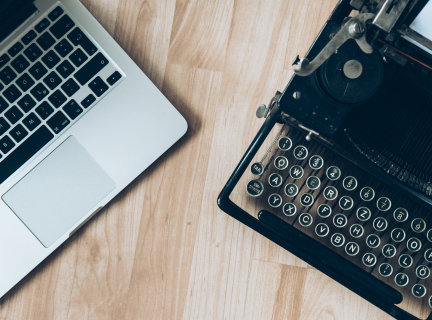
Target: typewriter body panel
x=340 y=170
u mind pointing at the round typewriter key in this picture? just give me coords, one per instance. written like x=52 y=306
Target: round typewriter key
x=281 y=163
x=346 y=203
x=313 y=182
x=324 y=210
x=429 y=235
x=352 y=248
x=430 y=301
x=418 y=290
x=367 y=194
x=369 y=259
x=291 y=190
x=385 y=269
x=337 y=240
x=356 y=230
x=284 y=143
x=422 y=272
x=254 y=188
x=379 y=224
x=289 y=209
x=300 y=152
x=275 y=200
x=414 y=244
x=305 y=219
x=257 y=168
x=322 y=230
x=306 y=199
x=340 y=220
x=400 y=215
x=383 y=204
x=275 y=180
x=333 y=173
x=401 y=279
x=388 y=250
x=316 y=162
x=363 y=214
x=296 y=172
x=330 y=193
x=397 y=235
x=428 y=255
x=373 y=241
x=418 y=225
x=349 y=183
x=405 y=261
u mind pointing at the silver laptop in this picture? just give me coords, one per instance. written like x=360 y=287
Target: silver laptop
x=78 y=122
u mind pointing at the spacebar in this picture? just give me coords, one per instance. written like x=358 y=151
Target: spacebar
x=24 y=152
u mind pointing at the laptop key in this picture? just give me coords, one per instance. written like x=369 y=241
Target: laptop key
x=58 y=122
x=65 y=69
x=15 y=49
x=72 y=109
x=25 y=82
x=78 y=57
x=88 y=101
x=42 y=25
x=13 y=115
x=57 y=98
x=52 y=80
x=31 y=121
x=91 y=68
x=62 y=26
x=33 y=52
x=78 y=38
x=44 y=110
x=51 y=59
x=3 y=60
x=12 y=93
x=57 y=12
x=3 y=104
x=38 y=70
x=39 y=91
x=6 y=145
x=20 y=63
x=98 y=86
x=70 y=87
x=4 y=126
x=45 y=41
x=18 y=133
x=116 y=76
x=26 y=103
x=63 y=48
x=23 y=152
x=29 y=37
x=7 y=75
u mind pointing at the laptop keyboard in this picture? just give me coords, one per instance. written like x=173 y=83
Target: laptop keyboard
x=47 y=81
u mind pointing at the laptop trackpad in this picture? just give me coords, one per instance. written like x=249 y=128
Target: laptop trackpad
x=59 y=191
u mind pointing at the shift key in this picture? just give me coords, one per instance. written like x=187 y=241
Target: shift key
x=91 y=68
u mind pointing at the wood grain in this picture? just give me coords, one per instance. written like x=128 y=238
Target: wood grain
x=162 y=249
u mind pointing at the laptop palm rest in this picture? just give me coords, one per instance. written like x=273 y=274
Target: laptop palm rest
x=59 y=191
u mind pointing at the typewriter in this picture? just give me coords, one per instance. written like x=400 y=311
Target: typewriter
x=340 y=171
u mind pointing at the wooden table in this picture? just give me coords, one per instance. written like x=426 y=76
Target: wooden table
x=162 y=249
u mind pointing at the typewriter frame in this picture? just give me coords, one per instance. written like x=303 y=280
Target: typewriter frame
x=300 y=244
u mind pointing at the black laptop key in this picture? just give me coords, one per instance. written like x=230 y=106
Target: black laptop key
x=12 y=93
x=42 y=25
x=78 y=38
x=3 y=104
x=39 y=92
x=23 y=152
x=3 y=60
x=116 y=76
x=52 y=80
x=7 y=75
x=65 y=69
x=20 y=63
x=58 y=122
x=33 y=52
x=6 y=145
x=78 y=57
x=38 y=70
x=70 y=87
x=44 y=110
x=4 y=126
x=88 y=101
x=29 y=37
x=26 y=103
x=57 y=98
x=98 y=86
x=57 y=12
x=18 y=133
x=51 y=59
x=63 y=48
x=31 y=121
x=15 y=49
x=45 y=41
x=13 y=115
x=25 y=82
x=72 y=109
x=62 y=26
x=91 y=68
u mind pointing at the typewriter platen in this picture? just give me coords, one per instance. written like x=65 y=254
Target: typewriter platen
x=341 y=167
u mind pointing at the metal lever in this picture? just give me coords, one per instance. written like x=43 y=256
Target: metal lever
x=355 y=29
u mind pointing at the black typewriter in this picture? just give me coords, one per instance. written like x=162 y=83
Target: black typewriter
x=341 y=168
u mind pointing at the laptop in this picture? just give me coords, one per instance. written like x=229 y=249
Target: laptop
x=78 y=122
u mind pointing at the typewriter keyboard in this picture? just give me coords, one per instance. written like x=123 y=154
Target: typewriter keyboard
x=347 y=209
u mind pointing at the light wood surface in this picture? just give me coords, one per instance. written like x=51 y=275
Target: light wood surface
x=162 y=249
